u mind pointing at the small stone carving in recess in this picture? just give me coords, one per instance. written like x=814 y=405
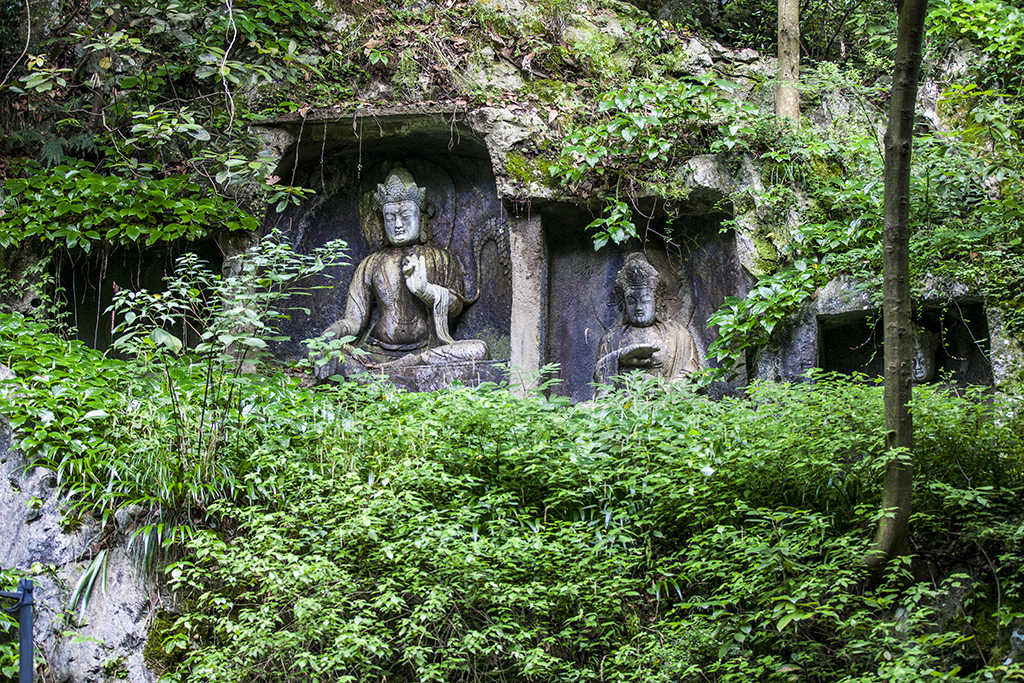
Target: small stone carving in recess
x=924 y=347
x=416 y=288
x=659 y=347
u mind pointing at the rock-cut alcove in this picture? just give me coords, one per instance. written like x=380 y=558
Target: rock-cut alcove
x=342 y=160
x=88 y=282
x=955 y=344
x=841 y=330
x=695 y=258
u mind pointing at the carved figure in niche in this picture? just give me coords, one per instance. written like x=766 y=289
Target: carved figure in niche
x=416 y=288
x=661 y=348
x=924 y=347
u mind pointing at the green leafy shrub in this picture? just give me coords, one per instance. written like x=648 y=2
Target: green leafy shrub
x=643 y=537
x=8 y=629
x=74 y=206
x=173 y=428
x=359 y=532
x=640 y=131
x=648 y=124
x=995 y=28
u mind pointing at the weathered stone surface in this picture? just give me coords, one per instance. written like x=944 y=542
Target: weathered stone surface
x=108 y=642
x=529 y=300
x=954 y=65
x=112 y=633
x=1007 y=355
x=520 y=9
x=831 y=109
x=747 y=55
x=698 y=56
x=844 y=295
x=841 y=330
x=30 y=522
x=708 y=178
x=714 y=177
x=939 y=289
x=435 y=377
x=27 y=294
x=794 y=353
x=503 y=130
x=490 y=73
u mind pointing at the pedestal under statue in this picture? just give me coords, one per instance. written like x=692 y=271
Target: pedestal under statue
x=416 y=289
x=660 y=348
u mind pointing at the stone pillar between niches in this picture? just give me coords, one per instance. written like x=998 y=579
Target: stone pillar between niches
x=529 y=287
x=1006 y=354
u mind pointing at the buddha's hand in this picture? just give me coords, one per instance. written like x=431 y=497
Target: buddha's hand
x=637 y=355
x=415 y=270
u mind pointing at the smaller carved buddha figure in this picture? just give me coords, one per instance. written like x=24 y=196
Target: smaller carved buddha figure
x=415 y=288
x=924 y=348
x=661 y=348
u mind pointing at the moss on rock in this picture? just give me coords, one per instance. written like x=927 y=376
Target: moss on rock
x=528 y=170
x=156 y=656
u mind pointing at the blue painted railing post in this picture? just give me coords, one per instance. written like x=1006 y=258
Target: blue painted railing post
x=24 y=610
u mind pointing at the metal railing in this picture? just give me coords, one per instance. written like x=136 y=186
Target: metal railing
x=23 y=608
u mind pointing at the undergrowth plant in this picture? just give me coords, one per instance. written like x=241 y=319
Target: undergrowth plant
x=185 y=420
x=642 y=128
x=8 y=629
x=646 y=536
x=652 y=534
x=75 y=207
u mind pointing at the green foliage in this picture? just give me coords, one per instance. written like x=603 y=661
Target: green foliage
x=115 y=668
x=65 y=388
x=83 y=589
x=361 y=533
x=641 y=130
x=172 y=428
x=617 y=226
x=744 y=324
x=643 y=537
x=993 y=27
x=647 y=125
x=161 y=630
x=245 y=43
x=166 y=80
x=74 y=206
x=8 y=629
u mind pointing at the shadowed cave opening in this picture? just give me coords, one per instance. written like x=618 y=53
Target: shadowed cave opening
x=852 y=342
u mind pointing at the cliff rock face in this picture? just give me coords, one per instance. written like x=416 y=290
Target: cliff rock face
x=104 y=643
x=840 y=330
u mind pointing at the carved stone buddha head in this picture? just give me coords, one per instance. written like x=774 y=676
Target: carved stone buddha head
x=401 y=202
x=637 y=282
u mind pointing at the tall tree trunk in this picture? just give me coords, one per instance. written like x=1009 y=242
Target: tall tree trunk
x=891 y=535
x=787 y=98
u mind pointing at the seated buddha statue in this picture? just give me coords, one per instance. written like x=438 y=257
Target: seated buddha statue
x=415 y=288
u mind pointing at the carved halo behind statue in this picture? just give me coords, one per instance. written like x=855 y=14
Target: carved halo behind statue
x=416 y=289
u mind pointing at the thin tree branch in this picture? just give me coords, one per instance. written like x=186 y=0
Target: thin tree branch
x=28 y=37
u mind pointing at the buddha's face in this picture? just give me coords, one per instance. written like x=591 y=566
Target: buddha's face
x=402 y=223
x=640 y=306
